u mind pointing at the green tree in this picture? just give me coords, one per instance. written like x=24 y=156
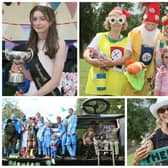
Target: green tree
x=10 y=108
x=92 y=16
x=140 y=120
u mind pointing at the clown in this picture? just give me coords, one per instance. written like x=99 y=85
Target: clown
x=104 y=77
x=143 y=41
x=71 y=141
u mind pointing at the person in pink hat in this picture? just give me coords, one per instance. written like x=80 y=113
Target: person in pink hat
x=143 y=41
x=159 y=138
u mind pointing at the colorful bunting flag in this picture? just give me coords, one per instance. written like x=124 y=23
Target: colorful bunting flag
x=72 y=8
x=63 y=109
x=54 y=5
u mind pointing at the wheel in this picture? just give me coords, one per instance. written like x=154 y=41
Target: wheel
x=95 y=105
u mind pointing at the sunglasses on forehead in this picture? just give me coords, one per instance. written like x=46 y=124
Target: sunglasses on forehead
x=162 y=110
x=114 y=19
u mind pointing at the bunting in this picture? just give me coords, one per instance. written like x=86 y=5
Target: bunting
x=63 y=109
x=72 y=8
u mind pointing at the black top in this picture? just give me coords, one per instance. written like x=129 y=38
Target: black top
x=160 y=140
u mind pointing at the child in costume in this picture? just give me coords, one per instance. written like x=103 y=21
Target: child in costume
x=47 y=133
x=163 y=42
x=54 y=144
x=104 y=77
x=31 y=142
x=161 y=79
x=143 y=42
x=24 y=141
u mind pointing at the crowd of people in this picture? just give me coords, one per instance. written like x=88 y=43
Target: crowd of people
x=37 y=137
x=102 y=137
x=145 y=45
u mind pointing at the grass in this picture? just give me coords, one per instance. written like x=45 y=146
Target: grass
x=130 y=159
x=84 y=69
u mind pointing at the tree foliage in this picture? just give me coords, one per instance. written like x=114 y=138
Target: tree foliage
x=10 y=108
x=92 y=16
x=140 y=120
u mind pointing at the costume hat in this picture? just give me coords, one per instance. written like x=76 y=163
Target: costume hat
x=155 y=107
x=118 y=10
x=152 y=12
x=165 y=20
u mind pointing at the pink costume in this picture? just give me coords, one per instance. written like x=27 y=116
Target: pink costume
x=161 y=81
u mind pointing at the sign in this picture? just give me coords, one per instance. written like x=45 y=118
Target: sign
x=156 y=156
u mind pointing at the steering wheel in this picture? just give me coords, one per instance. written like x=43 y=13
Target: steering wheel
x=95 y=105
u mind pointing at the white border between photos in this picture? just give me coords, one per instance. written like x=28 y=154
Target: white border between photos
x=78 y=49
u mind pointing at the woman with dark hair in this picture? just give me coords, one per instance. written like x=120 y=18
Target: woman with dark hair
x=46 y=67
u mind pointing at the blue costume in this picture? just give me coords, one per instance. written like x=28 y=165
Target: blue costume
x=40 y=138
x=47 y=133
x=71 y=141
x=17 y=123
x=54 y=146
x=62 y=132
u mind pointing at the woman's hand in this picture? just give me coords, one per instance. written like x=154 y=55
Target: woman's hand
x=140 y=154
x=108 y=62
x=96 y=62
x=19 y=93
x=17 y=68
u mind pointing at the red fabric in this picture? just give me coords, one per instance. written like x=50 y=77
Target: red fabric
x=165 y=20
x=118 y=10
x=152 y=12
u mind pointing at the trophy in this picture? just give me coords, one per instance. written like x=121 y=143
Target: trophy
x=18 y=57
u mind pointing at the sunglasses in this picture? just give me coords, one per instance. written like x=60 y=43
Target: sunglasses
x=162 y=110
x=114 y=19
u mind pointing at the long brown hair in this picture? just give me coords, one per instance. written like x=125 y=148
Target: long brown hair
x=51 y=43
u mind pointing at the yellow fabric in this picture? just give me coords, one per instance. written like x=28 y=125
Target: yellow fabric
x=115 y=82
x=136 y=41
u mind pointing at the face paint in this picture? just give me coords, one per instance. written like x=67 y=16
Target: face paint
x=114 y=19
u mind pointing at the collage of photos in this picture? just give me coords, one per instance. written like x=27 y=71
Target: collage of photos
x=84 y=83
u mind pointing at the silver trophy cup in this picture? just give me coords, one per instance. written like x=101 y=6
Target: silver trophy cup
x=18 y=57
